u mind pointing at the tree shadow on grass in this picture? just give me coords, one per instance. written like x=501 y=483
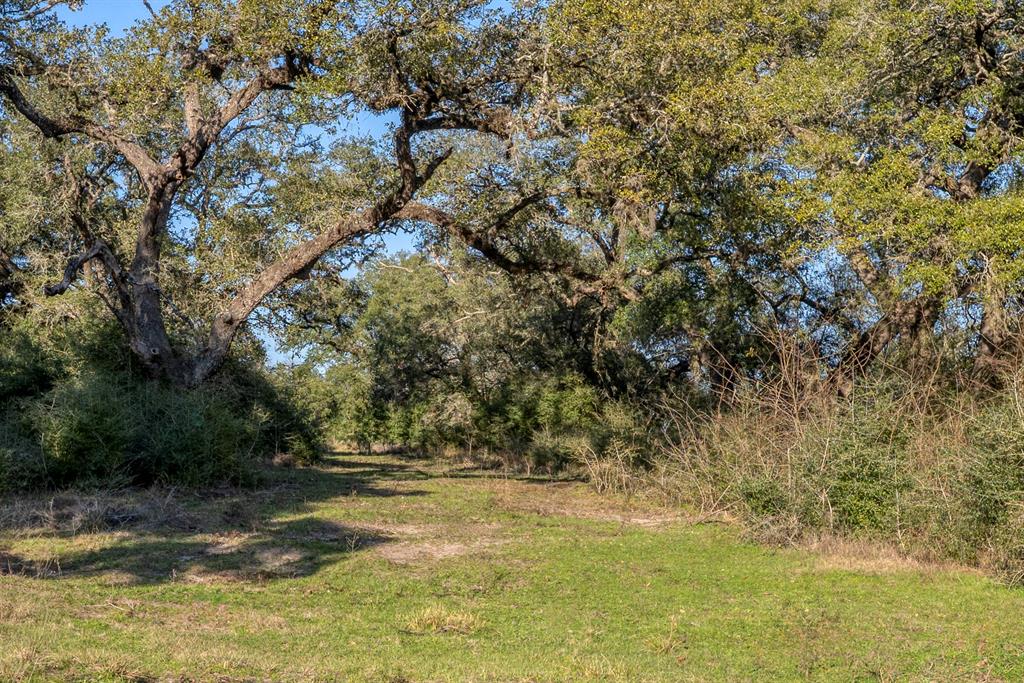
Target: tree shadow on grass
x=285 y=550
x=157 y=535
x=471 y=470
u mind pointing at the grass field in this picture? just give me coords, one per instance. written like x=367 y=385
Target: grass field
x=374 y=568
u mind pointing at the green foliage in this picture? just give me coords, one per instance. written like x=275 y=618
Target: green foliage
x=763 y=497
x=990 y=493
x=104 y=428
x=420 y=361
x=22 y=467
x=567 y=405
x=23 y=366
x=863 y=473
x=73 y=418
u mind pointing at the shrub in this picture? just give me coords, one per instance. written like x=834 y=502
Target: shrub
x=23 y=366
x=103 y=429
x=110 y=428
x=21 y=464
x=859 y=464
x=936 y=469
x=763 y=496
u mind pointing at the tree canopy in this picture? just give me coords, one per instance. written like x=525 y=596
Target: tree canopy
x=687 y=182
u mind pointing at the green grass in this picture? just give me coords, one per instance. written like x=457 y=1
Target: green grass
x=381 y=569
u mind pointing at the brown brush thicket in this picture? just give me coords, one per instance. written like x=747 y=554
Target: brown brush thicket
x=930 y=462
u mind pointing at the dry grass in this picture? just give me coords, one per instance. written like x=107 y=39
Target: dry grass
x=674 y=641
x=71 y=513
x=432 y=550
x=569 y=499
x=925 y=465
x=439 y=619
x=834 y=552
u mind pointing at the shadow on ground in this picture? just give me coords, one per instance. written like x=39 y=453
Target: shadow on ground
x=160 y=535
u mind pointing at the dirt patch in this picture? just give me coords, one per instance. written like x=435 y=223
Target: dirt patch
x=402 y=530
x=276 y=559
x=418 y=552
x=577 y=501
x=259 y=563
x=423 y=543
x=229 y=544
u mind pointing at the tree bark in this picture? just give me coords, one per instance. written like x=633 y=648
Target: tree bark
x=147 y=331
x=139 y=304
x=908 y=319
x=993 y=333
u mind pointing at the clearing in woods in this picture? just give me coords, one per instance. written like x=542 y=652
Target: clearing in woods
x=381 y=568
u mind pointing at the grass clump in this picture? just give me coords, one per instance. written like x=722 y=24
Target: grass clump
x=439 y=619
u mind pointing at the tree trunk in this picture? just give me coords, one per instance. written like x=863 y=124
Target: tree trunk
x=147 y=332
x=993 y=333
x=908 y=319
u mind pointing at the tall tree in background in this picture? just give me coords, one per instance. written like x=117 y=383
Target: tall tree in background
x=907 y=128
x=674 y=170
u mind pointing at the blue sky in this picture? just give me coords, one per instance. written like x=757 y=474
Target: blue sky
x=118 y=15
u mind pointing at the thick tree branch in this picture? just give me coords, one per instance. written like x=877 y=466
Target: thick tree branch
x=301 y=258
x=483 y=240
x=60 y=126
x=98 y=250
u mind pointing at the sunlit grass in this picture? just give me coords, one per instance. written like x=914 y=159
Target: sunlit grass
x=373 y=573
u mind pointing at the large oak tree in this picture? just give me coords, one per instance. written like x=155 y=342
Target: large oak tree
x=206 y=137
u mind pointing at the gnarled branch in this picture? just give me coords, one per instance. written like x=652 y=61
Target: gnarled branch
x=98 y=250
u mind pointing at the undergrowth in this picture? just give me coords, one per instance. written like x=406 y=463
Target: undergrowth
x=93 y=421
x=934 y=468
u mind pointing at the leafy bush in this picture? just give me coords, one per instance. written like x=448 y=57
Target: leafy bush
x=23 y=366
x=855 y=465
x=21 y=464
x=763 y=497
x=99 y=428
x=109 y=428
